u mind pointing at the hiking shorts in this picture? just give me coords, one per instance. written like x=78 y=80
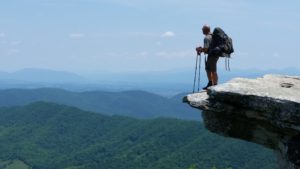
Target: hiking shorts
x=211 y=63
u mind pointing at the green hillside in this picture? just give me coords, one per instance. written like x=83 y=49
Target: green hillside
x=13 y=164
x=138 y=104
x=50 y=136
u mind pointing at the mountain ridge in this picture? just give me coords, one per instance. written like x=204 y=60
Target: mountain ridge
x=32 y=75
x=136 y=103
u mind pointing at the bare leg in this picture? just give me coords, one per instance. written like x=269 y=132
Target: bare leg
x=215 y=78
x=209 y=75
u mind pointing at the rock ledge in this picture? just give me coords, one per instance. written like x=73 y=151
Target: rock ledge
x=265 y=111
x=275 y=98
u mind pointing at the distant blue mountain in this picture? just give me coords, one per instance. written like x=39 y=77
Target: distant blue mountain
x=32 y=75
x=185 y=76
x=165 y=83
x=138 y=104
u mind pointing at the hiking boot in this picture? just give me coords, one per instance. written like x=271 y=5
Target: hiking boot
x=208 y=85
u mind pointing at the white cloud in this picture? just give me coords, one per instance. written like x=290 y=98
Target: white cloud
x=2 y=34
x=143 y=54
x=168 y=34
x=276 y=55
x=76 y=35
x=12 y=51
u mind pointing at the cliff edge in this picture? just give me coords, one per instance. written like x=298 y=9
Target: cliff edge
x=265 y=111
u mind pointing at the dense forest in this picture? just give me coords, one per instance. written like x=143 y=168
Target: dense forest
x=52 y=136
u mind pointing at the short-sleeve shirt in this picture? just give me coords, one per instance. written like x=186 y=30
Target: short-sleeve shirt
x=207 y=41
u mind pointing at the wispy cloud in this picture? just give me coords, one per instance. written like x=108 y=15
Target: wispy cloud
x=276 y=55
x=2 y=34
x=76 y=35
x=12 y=51
x=168 y=34
x=143 y=54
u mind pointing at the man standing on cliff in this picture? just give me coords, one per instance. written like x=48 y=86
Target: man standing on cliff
x=211 y=61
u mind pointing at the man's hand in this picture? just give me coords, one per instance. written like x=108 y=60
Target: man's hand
x=199 y=50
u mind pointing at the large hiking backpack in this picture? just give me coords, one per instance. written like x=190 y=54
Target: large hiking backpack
x=221 y=44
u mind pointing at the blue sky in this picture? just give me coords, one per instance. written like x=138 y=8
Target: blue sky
x=96 y=36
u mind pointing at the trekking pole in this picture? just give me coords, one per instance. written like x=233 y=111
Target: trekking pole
x=195 y=73
x=199 y=75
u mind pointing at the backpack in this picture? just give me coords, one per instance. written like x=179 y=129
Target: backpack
x=221 y=44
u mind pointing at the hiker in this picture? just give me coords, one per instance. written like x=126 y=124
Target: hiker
x=211 y=61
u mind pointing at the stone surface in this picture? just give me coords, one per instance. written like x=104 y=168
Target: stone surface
x=275 y=98
x=265 y=111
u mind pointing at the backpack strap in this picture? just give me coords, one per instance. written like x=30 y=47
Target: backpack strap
x=227 y=63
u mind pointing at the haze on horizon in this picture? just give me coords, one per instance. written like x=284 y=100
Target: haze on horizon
x=96 y=36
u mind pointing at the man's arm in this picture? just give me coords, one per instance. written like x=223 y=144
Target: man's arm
x=205 y=50
x=206 y=45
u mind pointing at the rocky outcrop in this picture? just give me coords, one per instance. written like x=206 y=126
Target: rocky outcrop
x=265 y=111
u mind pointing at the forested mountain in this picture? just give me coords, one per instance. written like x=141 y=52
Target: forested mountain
x=51 y=136
x=137 y=104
